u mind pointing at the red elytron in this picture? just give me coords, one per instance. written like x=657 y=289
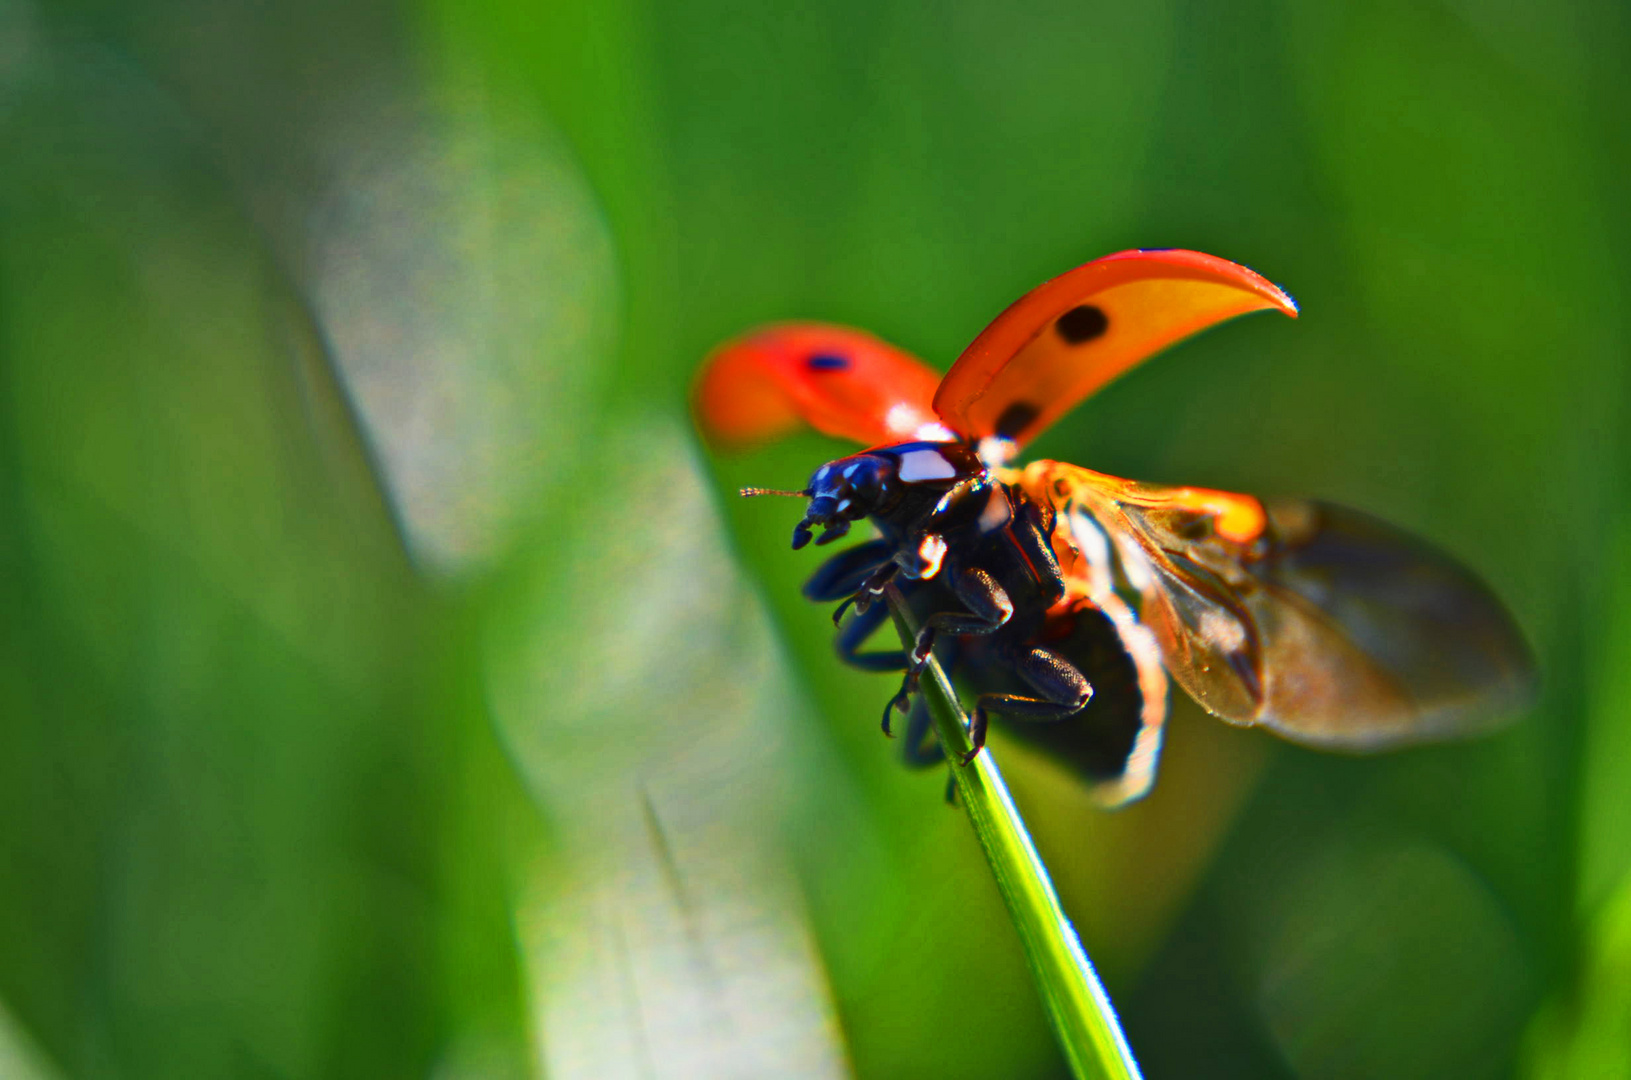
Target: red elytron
x=1065 y=597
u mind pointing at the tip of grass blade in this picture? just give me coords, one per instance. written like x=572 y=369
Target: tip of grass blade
x=1079 y=1009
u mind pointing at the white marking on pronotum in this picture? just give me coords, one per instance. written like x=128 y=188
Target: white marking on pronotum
x=920 y=465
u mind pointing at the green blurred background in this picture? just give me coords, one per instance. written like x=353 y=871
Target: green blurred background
x=389 y=686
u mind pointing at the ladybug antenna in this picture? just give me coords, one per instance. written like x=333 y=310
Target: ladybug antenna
x=749 y=492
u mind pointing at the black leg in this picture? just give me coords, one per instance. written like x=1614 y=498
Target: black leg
x=988 y=609
x=1064 y=691
x=836 y=531
x=854 y=635
x=1031 y=528
x=921 y=749
x=950 y=654
x=902 y=700
x=872 y=589
x=839 y=577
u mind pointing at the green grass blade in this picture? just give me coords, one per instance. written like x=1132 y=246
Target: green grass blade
x=1078 y=1007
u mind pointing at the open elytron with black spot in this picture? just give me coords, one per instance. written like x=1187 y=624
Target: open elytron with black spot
x=1063 y=598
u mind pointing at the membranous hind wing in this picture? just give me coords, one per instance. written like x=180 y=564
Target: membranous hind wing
x=1315 y=621
x=1114 y=744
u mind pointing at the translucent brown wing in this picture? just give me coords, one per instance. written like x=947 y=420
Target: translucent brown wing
x=1318 y=622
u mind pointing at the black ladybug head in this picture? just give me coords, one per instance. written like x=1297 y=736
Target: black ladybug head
x=847 y=490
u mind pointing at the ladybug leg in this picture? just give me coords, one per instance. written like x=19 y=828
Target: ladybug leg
x=1064 y=691
x=902 y=701
x=988 y=609
x=868 y=592
x=854 y=635
x=922 y=748
x=835 y=531
x=872 y=589
x=840 y=576
x=1032 y=527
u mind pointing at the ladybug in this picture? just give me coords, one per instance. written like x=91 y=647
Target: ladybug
x=1066 y=598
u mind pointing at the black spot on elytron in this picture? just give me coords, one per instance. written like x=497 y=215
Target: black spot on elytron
x=1082 y=324
x=1016 y=418
x=827 y=362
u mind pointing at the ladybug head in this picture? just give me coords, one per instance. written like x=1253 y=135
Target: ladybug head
x=847 y=490
x=843 y=491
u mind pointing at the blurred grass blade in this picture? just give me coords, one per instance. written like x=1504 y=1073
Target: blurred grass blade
x=20 y=1057
x=1586 y=1031
x=1078 y=1007
x=663 y=928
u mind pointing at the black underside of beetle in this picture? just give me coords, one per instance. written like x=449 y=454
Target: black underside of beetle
x=1064 y=685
